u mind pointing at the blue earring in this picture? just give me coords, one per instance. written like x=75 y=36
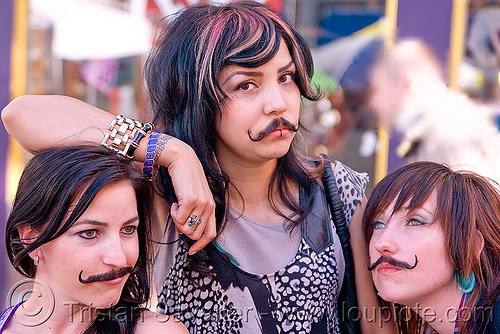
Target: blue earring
x=466 y=285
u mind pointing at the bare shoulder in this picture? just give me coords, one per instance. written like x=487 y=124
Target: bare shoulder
x=158 y=323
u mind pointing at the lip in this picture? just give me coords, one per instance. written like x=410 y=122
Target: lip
x=280 y=132
x=114 y=281
x=386 y=269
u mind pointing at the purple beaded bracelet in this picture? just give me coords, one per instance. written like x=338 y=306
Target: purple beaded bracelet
x=150 y=168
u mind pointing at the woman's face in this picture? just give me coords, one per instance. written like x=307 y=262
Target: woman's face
x=257 y=97
x=103 y=240
x=414 y=238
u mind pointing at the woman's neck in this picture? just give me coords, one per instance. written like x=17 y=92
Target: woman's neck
x=44 y=313
x=441 y=312
x=248 y=191
x=251 y=180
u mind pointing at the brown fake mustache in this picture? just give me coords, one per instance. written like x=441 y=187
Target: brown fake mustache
x=392 y=261
x=272 y=126
x=109 y=276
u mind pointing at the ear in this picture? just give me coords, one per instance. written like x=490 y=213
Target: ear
x=27 y=234
x=480 y=243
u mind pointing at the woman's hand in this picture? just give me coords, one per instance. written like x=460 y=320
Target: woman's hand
x=42 y=121
x=194 y=213
x=368 y=304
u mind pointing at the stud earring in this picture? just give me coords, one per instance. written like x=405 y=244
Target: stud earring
x=35 y=260
x=466 y=285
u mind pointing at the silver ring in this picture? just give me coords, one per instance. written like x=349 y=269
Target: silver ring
x=193 y=220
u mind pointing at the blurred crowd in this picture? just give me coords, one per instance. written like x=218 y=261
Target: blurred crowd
x=404 y=88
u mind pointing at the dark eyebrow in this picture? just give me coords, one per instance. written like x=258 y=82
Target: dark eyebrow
x=243 y=72
x=256 y=73
x=281 y=69
x=98 y=223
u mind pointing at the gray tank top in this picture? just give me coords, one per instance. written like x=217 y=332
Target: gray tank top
x=279 y=286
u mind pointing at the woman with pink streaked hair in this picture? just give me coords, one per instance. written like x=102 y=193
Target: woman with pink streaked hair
x=228 y=81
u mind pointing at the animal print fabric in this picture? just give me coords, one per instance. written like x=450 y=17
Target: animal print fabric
x=300 y=298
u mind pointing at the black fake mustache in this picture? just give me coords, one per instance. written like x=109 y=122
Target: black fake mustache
x=272 y=126
x=392 y=261
x=109 y=276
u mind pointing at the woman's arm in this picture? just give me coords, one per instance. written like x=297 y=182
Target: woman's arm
x=42 y=121
x=373 y=320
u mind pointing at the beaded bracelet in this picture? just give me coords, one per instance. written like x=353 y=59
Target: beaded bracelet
x=150 y=167
x=125 y=135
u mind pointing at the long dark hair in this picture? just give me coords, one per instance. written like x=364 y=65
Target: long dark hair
x=57 y=178
x=466 y=203
x=182 y=78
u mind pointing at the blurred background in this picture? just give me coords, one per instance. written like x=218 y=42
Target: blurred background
x=94 y=50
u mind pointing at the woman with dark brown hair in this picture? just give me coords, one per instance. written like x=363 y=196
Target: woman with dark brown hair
x=227 y=82
x=434 y=244
x=79 y=227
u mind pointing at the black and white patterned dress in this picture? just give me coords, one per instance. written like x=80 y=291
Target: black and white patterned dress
x=299 y=298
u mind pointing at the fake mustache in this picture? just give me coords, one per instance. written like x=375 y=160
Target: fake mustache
x=272 y=126
x=109 y=276
x=393 y=262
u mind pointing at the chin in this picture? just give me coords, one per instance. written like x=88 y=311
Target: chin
x=280 y=151
x=395 y=297
x=107 y=303
x=388 y=297
x=389 y=293
x=106 y=300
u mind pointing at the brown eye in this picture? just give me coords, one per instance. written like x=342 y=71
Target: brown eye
x=286 y=78
x=244 y=86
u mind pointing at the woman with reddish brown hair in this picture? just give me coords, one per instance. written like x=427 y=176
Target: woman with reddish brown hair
x=434 y=244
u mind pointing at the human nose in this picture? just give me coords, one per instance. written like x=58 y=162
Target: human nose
x=385 y=241
x=115 y=252
x=275 y=101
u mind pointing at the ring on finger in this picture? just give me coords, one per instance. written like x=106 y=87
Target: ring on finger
x=193 y=220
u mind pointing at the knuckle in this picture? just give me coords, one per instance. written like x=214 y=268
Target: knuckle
x=190 y=200
x=211 y=205
x=211 y=234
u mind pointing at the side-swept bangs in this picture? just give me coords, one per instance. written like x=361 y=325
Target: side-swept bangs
x=410 y=185
x=465 y=203
x=248 y=34
x=468 y=209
